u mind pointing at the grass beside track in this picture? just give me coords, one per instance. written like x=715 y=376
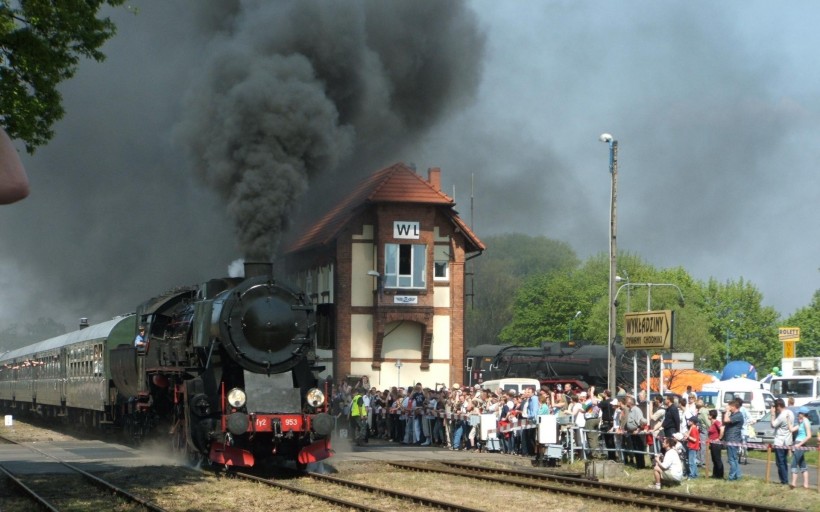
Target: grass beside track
x=181 y=489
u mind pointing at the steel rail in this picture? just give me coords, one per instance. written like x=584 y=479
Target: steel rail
x=599 y=491
x=292 y=488
x=95 y=480
x=413 y=498
x=693 y=499
x=31 y=493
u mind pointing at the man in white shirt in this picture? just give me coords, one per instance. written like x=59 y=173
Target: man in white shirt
x=668 y=468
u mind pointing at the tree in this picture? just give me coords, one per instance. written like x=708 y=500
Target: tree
x=497 y=275
x=41 y=43
x=545 y=304
x=740 y=323
x=808 y=319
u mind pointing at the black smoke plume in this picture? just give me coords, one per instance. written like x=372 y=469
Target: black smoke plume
x=290 y=90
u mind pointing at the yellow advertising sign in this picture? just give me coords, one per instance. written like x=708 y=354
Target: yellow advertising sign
x=788 y=348
x=648 y=330
x=788 y=333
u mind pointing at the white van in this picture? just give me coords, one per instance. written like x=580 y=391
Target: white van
x=518 y=384
x=756 y=399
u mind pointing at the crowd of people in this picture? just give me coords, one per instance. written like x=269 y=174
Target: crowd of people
x=671 y=432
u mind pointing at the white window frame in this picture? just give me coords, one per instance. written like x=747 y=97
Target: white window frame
x=417 y=278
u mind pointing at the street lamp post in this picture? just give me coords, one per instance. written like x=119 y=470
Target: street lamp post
x=569 y=334
x=613 y=172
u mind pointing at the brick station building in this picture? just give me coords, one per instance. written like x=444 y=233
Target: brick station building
x=386 y=269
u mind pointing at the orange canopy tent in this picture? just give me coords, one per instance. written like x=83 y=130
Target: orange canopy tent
x=676 y=381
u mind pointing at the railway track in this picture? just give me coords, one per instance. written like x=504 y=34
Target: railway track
x=94 y=492
x=592 y=490
x=406 y=498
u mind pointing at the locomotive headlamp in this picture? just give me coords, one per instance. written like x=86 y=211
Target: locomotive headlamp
x=315 y=397
x=236 y=397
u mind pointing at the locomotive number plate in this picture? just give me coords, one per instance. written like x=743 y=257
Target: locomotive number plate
x=266 y=423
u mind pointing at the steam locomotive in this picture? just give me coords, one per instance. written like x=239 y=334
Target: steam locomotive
x=228 y=374
x=552 y=362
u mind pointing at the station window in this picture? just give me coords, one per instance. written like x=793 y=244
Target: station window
x=404 y=265
x=441 y=263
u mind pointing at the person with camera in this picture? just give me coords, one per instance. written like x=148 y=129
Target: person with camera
x=668 y=466
x=782 y=420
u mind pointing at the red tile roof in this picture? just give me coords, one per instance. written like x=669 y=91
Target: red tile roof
x=395 y=184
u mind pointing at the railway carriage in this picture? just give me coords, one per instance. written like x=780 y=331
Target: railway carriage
x=68 y=375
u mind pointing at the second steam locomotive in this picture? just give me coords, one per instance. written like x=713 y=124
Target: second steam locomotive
x=551 y=362
x=229 y=373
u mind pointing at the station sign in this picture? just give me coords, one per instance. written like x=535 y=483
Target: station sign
x=649 y=330
x=409 y=230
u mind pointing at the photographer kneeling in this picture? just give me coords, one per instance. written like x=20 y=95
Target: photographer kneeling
x=668 y=466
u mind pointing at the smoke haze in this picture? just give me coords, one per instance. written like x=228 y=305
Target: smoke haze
x=166 y=166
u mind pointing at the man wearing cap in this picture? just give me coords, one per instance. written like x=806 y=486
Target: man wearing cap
x=693 y=445
x=140 y=341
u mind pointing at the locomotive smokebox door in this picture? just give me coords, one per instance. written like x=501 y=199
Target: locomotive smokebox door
x=265 y=327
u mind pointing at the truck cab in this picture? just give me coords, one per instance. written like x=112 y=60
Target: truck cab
x=800 y=380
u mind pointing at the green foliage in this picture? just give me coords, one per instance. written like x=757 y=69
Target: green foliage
x=808 y=319
x=739 y=321
x=549 y=286
x=41 y=43
x=497 y=275
x=546 y=304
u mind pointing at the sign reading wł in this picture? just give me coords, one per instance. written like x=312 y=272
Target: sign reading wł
x=406 y=229
x=649 y=330
x=788 y=333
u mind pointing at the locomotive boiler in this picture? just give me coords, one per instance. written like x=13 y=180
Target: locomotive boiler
x=551 y=362
x=228 y=373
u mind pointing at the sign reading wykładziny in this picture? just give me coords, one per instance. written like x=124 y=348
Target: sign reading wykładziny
x=649 y=330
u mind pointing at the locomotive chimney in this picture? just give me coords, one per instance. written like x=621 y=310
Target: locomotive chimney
x=258 y=269
x=83 y=323
x=434 y=177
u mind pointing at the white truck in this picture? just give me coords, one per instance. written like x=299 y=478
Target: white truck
x=800 y=380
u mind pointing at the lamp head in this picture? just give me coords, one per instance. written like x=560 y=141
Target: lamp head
x=605 y=137
x=577 y=314
x=373 y=273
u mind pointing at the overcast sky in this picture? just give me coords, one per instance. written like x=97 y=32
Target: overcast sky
x=714 y=104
